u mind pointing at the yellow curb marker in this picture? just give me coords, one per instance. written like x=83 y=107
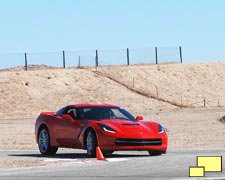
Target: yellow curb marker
x=206 y=164
x=197 y=172
x=211 y=163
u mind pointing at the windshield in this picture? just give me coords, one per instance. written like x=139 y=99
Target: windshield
x=100 y=113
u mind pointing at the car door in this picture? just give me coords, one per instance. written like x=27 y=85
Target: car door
x=67 y=129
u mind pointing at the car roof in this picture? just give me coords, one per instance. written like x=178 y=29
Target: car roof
x=95 y=105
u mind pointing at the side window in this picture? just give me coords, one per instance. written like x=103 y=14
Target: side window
x=82 y=113
x=72 y=112
x=68 y=110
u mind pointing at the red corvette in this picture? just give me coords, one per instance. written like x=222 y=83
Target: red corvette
x=85 y=126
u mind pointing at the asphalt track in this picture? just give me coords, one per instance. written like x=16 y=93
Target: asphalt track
x=129 y=165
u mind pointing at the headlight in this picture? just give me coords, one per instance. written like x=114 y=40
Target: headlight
x=107 y=128
x=161 y=129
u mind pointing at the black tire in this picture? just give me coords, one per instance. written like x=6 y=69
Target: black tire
x=108 y=152
x=91 y=143
x=155 y=153
x=53 y=150
x=44 y=144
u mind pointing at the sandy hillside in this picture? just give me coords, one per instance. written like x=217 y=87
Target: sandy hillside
x=187 y=84
x=26 y=93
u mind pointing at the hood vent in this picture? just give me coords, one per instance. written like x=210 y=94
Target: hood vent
x=134 y=124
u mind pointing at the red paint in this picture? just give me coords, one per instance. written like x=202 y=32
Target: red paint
x=66 y=131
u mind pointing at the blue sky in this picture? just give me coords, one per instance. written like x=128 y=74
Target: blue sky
x=55 y=25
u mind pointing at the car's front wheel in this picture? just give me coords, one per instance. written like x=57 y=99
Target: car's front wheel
x=154 y=153
x=91 y=143
x=44 y=143
x=108 y=152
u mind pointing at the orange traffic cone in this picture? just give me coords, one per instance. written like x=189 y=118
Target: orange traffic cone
x=99 y=154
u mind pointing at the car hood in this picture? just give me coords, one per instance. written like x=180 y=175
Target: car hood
x=135 y=129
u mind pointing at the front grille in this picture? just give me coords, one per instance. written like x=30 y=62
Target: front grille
x=138 y=142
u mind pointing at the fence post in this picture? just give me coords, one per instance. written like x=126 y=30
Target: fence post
x=204 y=102
x=181 y=60
x=156 y=55
x=25 y=54
x=64 y=60
x=133 y=82
x=96 y=59
x=128 y=57
x=79 y=62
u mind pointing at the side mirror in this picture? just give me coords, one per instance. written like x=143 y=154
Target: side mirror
x=139 y=118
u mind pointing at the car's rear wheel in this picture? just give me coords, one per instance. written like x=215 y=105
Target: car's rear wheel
x=154 y=153
x=44 y=143
x=91 y=143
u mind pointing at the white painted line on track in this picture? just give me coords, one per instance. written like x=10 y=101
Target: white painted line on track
x=53 y=160
x=117 y=159
x=65 y=161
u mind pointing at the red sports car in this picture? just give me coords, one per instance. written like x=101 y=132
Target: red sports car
x=85 y=126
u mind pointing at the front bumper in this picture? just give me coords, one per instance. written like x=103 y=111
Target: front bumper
x=114 y=143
